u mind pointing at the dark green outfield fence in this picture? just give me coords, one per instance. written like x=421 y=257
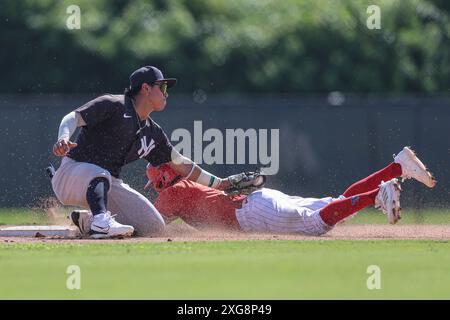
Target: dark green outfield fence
x=323 y=147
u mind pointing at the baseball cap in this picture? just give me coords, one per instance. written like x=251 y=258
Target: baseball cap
x=149 y=74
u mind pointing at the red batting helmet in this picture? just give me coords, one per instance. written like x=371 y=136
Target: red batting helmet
x=160 y=177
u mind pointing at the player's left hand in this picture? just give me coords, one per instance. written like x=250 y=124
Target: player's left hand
x=62 y=147
x=244 y=183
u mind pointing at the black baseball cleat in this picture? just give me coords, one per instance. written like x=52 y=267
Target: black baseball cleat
x=50 y=170
x=82 y=219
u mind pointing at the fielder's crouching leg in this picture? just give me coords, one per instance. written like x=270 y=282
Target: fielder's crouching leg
x=72 y=180
x=132 y=208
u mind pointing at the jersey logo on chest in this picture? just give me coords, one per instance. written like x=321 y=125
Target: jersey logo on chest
x=145 y=148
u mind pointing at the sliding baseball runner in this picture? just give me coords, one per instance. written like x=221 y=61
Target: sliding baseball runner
x=117 y=130
x=268 y=210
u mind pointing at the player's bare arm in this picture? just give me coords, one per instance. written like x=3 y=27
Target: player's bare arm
x=241 y=183
x=68 y=125
x=191 y=171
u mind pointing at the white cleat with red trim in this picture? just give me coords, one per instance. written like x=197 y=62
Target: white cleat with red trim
x=388 y=200
x=412 y=167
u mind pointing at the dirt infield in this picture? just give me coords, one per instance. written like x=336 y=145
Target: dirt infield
x=184 y=233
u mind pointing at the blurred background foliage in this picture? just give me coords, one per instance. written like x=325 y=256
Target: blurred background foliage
x=223 y=46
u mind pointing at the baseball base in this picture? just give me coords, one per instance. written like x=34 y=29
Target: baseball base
x=39 y=231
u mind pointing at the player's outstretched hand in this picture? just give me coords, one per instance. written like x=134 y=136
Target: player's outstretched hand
x=62 y=147
x=245 y=183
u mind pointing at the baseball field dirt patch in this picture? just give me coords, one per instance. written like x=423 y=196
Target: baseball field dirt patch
x=184 y=233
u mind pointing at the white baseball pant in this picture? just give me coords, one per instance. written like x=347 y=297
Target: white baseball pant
x=269 y=210
x=70 y=184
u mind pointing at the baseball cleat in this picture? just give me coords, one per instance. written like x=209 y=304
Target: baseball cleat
x=105 y=226
x=83 y=220
x=412 y=167
x=388 y=200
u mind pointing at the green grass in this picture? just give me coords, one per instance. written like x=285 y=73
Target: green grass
x=409 y=216
x=21 y=216
x=227 y=270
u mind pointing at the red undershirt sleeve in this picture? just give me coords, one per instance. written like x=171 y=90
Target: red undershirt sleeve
x=169 y=203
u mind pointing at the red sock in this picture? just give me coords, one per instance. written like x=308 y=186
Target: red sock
x=340 y=209
x=373 y=181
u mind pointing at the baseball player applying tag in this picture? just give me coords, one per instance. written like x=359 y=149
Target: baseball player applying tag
x=117 y=130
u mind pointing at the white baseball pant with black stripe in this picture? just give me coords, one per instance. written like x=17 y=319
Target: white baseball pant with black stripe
x=269 y=210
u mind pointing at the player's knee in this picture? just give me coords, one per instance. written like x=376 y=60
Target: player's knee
x=147 y=230
x=97 y=194
x=99 y=181
x=153 y=225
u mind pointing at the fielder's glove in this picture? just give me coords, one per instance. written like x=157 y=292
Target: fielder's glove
x=245 y=183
